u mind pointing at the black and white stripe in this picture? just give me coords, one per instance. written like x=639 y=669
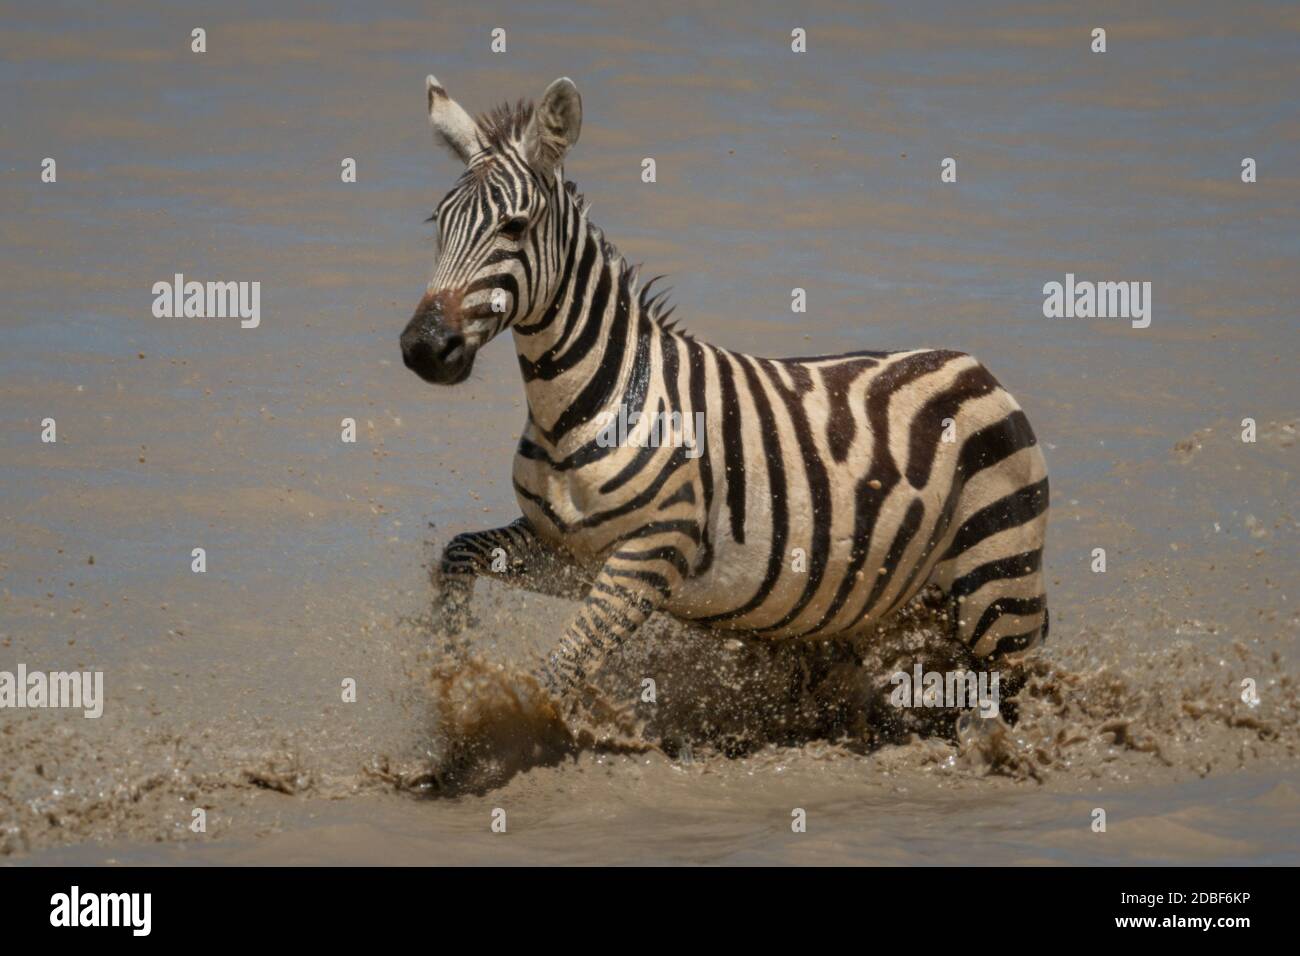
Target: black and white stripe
x=845 y=458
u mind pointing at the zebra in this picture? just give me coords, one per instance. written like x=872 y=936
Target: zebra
x=889 y=471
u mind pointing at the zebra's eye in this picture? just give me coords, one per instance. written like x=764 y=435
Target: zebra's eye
x=514 y=228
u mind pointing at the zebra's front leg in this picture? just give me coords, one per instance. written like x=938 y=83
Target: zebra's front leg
x=630 y=587
x=514 y=555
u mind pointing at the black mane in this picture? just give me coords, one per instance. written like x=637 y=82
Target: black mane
x=505 y=123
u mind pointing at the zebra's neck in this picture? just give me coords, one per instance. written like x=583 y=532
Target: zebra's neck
x=591 y=349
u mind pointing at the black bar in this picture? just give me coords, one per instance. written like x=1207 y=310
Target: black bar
x=927 y=906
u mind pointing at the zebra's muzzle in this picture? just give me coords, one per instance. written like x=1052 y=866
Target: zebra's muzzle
x=434 y=348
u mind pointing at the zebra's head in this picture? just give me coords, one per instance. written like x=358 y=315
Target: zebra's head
x=499 y=229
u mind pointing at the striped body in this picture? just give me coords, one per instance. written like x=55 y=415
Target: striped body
x=823 y=494
x=842 y=457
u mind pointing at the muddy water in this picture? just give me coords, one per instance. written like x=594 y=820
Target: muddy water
x=775 y=170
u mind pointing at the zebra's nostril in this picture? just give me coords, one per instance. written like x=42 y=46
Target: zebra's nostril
x=453 y=347
x=416 y=354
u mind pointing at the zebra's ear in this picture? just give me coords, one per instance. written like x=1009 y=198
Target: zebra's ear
x=452 y=126
x=554 y=127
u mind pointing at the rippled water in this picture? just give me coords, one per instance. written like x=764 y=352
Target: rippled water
x=775 y=170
